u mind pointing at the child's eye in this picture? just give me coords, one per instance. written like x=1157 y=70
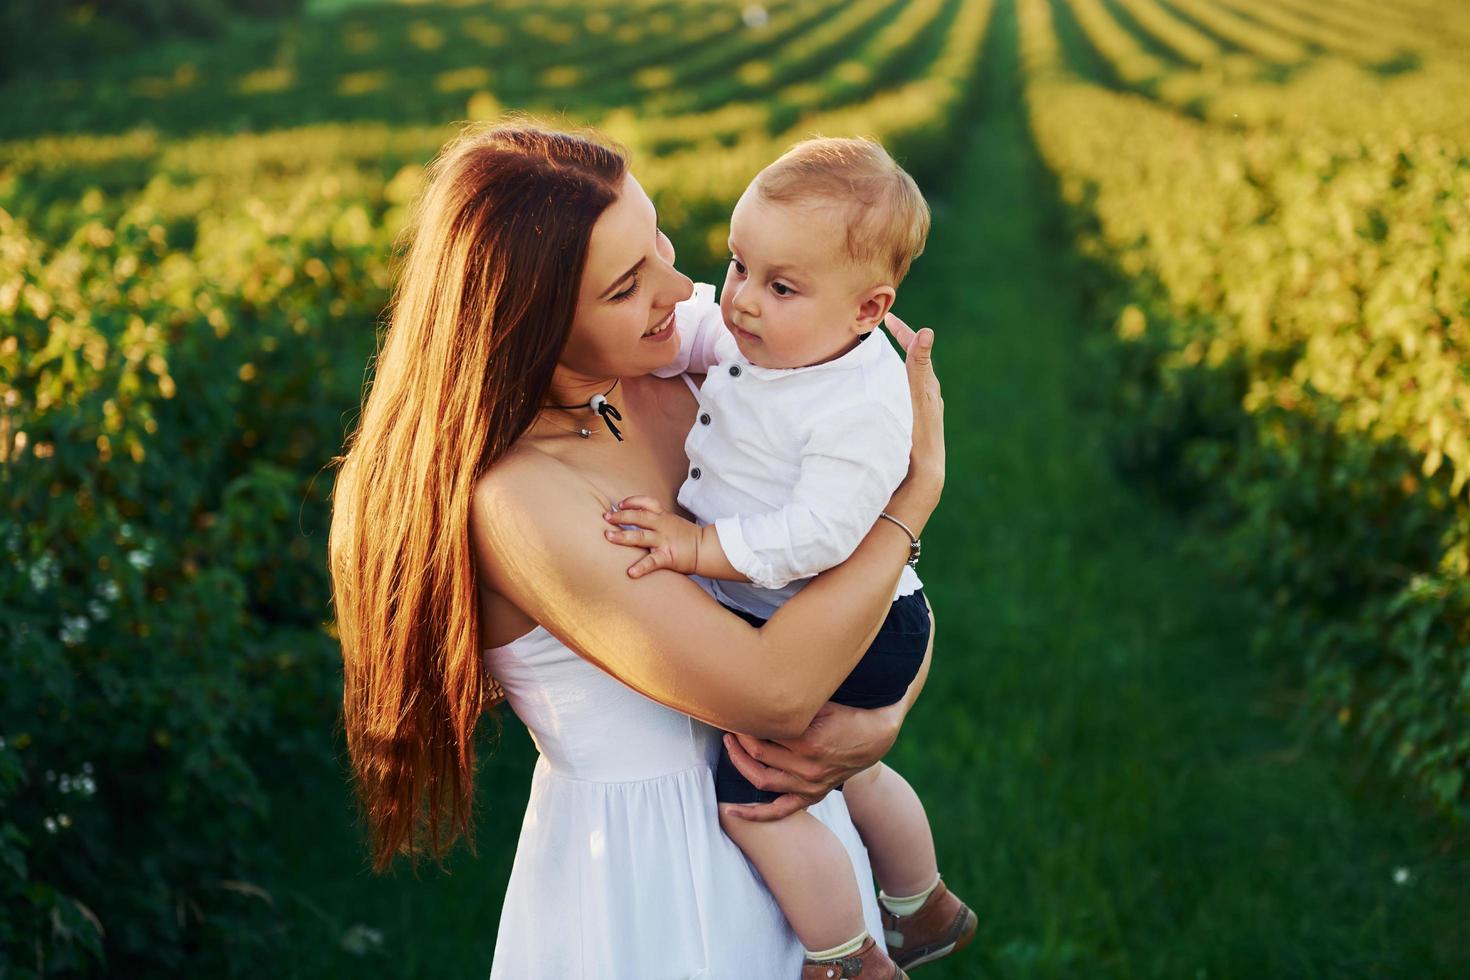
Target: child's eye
x=781 y=289
x=739 y=269
x=627 y=293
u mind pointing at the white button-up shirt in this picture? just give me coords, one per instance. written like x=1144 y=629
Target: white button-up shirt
x=791 y=465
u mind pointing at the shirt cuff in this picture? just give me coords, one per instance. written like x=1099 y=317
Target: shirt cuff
x=741 y=556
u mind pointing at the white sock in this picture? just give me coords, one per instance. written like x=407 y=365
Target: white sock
x=837 y=952
x=909 y=905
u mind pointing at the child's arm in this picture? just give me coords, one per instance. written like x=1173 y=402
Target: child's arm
x=700 y=325
x=672 y=542
x=849 y=469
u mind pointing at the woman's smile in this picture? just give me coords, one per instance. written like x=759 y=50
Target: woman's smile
x=662 y=331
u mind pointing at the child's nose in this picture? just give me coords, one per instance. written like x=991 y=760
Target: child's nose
x=745 y=300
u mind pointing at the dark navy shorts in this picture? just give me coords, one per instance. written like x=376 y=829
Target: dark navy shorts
x=881 y=678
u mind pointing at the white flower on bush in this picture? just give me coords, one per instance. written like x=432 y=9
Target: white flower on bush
x=50 y=825
x=109 y=590
x=1400 y=876
x=44 y=572
x=140 y=559
x=83 y=784
x=755 y=15
x=73 y=629
x=125 y=531
x=361 y=939
x=98 y=609
x=63 y=819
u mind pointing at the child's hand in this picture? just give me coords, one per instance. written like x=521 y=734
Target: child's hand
x=672 y=542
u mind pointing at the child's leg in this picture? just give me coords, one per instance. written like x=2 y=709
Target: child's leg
x=810 y=874
x=892 y=822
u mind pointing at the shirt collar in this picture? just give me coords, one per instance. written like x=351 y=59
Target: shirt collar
x=868 y=350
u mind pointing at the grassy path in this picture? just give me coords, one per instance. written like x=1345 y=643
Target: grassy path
x=1111 y=779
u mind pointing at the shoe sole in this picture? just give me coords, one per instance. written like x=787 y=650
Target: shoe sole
x=963 y=940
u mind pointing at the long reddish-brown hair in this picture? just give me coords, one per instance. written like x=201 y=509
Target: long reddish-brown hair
x=489 y=266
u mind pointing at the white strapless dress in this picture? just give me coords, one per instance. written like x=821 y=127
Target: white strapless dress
x=621 y=871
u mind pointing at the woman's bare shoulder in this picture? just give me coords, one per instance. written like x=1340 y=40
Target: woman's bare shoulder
x=527 y=483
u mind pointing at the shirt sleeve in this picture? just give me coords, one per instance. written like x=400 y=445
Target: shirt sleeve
x=700 y=326
x=850 y=466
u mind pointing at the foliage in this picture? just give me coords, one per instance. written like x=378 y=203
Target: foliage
x=1289 y=292
x=37 y=35
x=185 y=316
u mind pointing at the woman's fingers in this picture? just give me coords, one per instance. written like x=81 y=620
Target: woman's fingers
x=782 y=806
x=769 y=778
x=928 y=448
x=778 y=756
x=902 y=332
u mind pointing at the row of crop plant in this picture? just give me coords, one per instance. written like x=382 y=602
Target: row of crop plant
x=185 y=320
x=1290 y=311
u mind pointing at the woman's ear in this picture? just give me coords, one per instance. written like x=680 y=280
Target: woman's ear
x=873 y=306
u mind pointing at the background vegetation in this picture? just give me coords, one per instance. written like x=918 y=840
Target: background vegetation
x=1217 y=246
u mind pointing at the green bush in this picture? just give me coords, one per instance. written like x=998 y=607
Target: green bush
x=185 y=324
x=43 y=36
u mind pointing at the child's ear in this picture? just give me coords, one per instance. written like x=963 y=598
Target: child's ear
x=873 y=306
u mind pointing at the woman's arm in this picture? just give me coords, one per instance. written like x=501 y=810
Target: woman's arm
x=840 y=743
x=537 y=528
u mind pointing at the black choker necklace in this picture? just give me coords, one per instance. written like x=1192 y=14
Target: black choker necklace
x=603 y=407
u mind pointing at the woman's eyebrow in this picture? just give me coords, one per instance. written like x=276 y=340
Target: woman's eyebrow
x=618 y=281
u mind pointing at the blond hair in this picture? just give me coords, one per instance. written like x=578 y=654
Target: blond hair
x=888 y=219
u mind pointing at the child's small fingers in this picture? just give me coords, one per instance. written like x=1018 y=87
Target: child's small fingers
x=642 y=518
x=642 y=502
x=643 y=566
x=637 y=537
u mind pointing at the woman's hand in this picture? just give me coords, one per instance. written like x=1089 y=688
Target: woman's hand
x=840 y=743
x=918 y=495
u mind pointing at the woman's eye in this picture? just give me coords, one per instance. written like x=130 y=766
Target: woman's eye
x=627 y=293
x=782 y=289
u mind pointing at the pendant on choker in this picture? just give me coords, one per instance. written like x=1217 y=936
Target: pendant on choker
x=604 y=408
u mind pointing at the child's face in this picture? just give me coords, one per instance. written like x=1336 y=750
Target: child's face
x=790 y=297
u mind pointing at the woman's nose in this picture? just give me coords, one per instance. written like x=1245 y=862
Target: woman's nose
x=680 y=287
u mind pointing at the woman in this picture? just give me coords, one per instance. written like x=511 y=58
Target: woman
x=468 y=533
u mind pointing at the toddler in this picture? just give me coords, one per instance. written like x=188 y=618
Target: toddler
x=803 y=434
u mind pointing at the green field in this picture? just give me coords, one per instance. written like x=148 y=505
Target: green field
x=1200 y=270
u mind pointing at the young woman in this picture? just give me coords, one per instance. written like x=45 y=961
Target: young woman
x=470 y=563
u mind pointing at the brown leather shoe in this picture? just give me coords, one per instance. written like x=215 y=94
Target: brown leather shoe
x=869 y=962
x=942 y=925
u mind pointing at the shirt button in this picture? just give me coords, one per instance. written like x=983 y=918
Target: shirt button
x=734 y=370
x=694 y=474
x=704 y=418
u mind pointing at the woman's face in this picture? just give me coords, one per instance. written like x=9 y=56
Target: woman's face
x=624 y=324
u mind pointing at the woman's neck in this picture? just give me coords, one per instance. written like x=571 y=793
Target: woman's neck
x=568 y=404
x=578 y=390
